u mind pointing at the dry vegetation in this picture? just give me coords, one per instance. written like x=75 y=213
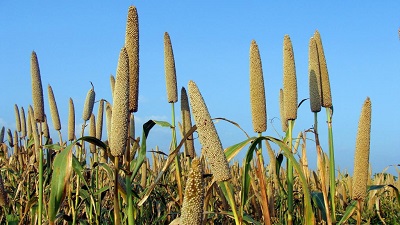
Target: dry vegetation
x=109 y=179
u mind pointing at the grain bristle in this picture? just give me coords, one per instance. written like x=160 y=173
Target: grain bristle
x=257 y=91
x=132 y=48
x=326 y=97
x=192 y=207
x=23 y=122
x=314 y=77
x=284 y=121
x=71 y=120
x=120 y=118
x=37 y=90
x=89 y=102
x=361 y=156
x=208 y=135
x=53 y=109
x=17 y=118
x=187 y=123
x=289 y=80
x=170 y=73
x=99 y=121
x=92 y=132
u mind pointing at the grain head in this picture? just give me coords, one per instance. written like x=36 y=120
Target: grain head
x=17 y=118
x=192 y=207
x=23 y=122
x=314 y=77
x=132 y=126
x=10 y=138
x=71 y=120
x=132 y=48
x=284 y=121
x=187 y=123
x=53 y=109
x=108 y=119
x=326 y=97
x=89 y=102
x=361 y=157
x=257 y=92
x=120 y=118
x=289 y=80
x=170 y=73
x=99 y=121
x=2 y=134
x=208 y=135
x=37 y=90
x=92 y=132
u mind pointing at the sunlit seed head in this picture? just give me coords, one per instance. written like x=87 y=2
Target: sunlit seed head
x=257 y=91
x=108 y=120
x=17 y=118
x=53 y=109
x=326 y=97
x=92 y=132
x=170 y=73
x=314 y=77
x=2 y=134
x=289 y=80
x=89 y=103
x=23 y=122
x=99 y=121
x=361 y=157
x=71 y=120
x=208 y=135
x=37 y=90
x=132 y=48
x=120 y=118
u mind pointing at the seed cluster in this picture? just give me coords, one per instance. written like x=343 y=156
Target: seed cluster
x=71 y=120
x=53 y=109
x=37 y=90
x=89 y=102
x=257 y=91
x=326 y=99
x=289 y=80
x=23 y=122
x=361 y=157
x=314 y=77
x=170 y=73
x=192 y=207
x=17 y=118
x=282 y=110
x=99 y=121
x=208 y=135
x=187 y=123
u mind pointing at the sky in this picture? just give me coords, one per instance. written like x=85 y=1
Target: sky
x=79 y=42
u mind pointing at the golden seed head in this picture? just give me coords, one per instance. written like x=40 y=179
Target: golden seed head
x=314 y=77
x=208 y=135
x=170 y=73
x=99 y=121
x=282 y=110
x=257 y=91
x=132 y=47
x=120 y=119
x=361 y=157
x=23 y=122
x=326 y=98
x=108 y=119
x=37 y=90
x=132 y=126
x=289 y=80
x=92 y=132
x=187 y=123
x=17 y=118
x=10 y=138
x=89 y=102
x=3 y=194
x=2 y=134
x=112 y=83
x=71 y=120
x=192 y=207
x=53 y=109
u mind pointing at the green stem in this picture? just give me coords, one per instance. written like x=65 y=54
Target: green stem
x=176 y=160
x=40 y=209
x=332 y=176
x=290 y=175
x=117 y=218
x=131 y=220
x=231 y=201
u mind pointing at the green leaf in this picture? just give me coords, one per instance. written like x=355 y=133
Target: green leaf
x=318 y=199
x=142 y=152
x=246 y=175
x=95 y=141
x=233 y=150
x=60 y=180
x=349 y=211
x=12 y=219
x=161 y=123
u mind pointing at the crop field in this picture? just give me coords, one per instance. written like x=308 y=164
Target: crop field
x=108 y=175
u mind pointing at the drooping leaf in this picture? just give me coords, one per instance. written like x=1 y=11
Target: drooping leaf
x=349 y=211
x=233 y=150
x=318 y=199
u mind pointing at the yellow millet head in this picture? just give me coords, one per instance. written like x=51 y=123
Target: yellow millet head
x=89 y=102
x=361 y=157
x=37 y=90
x=120 y=118
x=192 y=207
x=99 y=121
x=257 y=91
x=17 y=118
x=314 y=77
x=187 y=123
x=71 y=120
x=289 y=80
x=208 y=135
x=170 y=74
x=23 y=122
x=326 y=97
x=92 y=132
x=284 y=121
x=53 y=109
x=132 y=48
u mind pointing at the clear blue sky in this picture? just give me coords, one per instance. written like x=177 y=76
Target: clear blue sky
x=80 y=41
